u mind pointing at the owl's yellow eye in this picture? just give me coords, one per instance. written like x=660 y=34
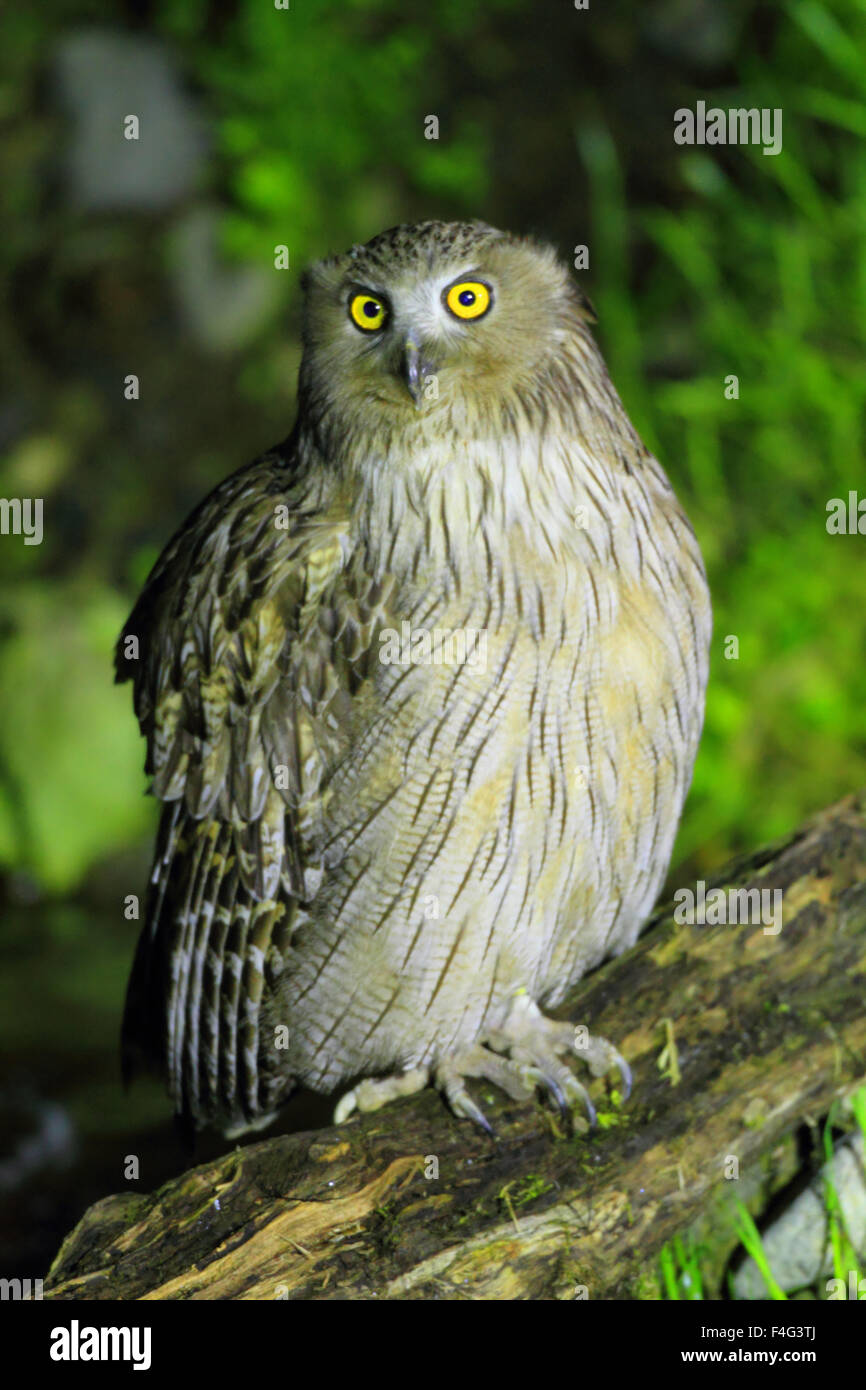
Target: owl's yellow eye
x=468 y=299
x=368 y=312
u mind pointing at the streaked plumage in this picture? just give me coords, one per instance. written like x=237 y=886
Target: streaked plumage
x=394 y=860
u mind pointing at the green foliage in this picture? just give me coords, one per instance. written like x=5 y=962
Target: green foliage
x=680 y=1270
x=70 y=776
x=754 y=1246
x=846 y=1260
x=319 y=118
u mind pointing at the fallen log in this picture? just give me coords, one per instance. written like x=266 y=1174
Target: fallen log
x=738 y=1035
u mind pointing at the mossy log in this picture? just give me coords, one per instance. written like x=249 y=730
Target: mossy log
x=737 y=1037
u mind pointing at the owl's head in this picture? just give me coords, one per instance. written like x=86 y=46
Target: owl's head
x=426 y=317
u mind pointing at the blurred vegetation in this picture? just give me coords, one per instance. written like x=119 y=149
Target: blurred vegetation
x=703 y=262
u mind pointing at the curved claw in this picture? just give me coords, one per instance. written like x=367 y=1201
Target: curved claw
x=565 y=1088
x=600 y=1056
x=346 y=1106
x=462 y=1104
x=545 y=1078
x=625 y=1073
x=582 y=1094
x=592 y=1117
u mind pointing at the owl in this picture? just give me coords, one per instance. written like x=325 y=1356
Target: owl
x=422 y=689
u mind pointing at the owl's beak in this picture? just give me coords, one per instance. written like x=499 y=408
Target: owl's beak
x=414 y=368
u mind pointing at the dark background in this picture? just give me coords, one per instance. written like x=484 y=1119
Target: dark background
x=305 y=128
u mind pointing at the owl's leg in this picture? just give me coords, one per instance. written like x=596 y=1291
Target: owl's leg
x=372 y=1095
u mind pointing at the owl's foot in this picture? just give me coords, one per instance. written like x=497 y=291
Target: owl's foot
x=525 y=1053
x=372 y=1095
x=535 y=1046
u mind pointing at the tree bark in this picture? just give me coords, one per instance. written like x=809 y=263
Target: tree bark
x=737 y=1038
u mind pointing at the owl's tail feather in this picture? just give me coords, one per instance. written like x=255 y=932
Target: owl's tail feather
x=206 y=965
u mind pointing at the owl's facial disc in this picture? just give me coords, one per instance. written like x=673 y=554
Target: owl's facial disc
x=408 y=352
x=418 y=332
x=433 y=319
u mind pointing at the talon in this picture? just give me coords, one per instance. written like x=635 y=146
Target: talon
x=580 y=1095
x=600 y=1056
x=550 y=1083
x=345 y=1107
x=589 y=1107
x=462 y=1104
x=625 y=1073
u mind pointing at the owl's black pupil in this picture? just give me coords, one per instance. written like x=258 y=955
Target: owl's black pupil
x=466 y=297
x=371 y=308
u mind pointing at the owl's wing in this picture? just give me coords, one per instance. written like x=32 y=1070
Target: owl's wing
x=245 y=650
